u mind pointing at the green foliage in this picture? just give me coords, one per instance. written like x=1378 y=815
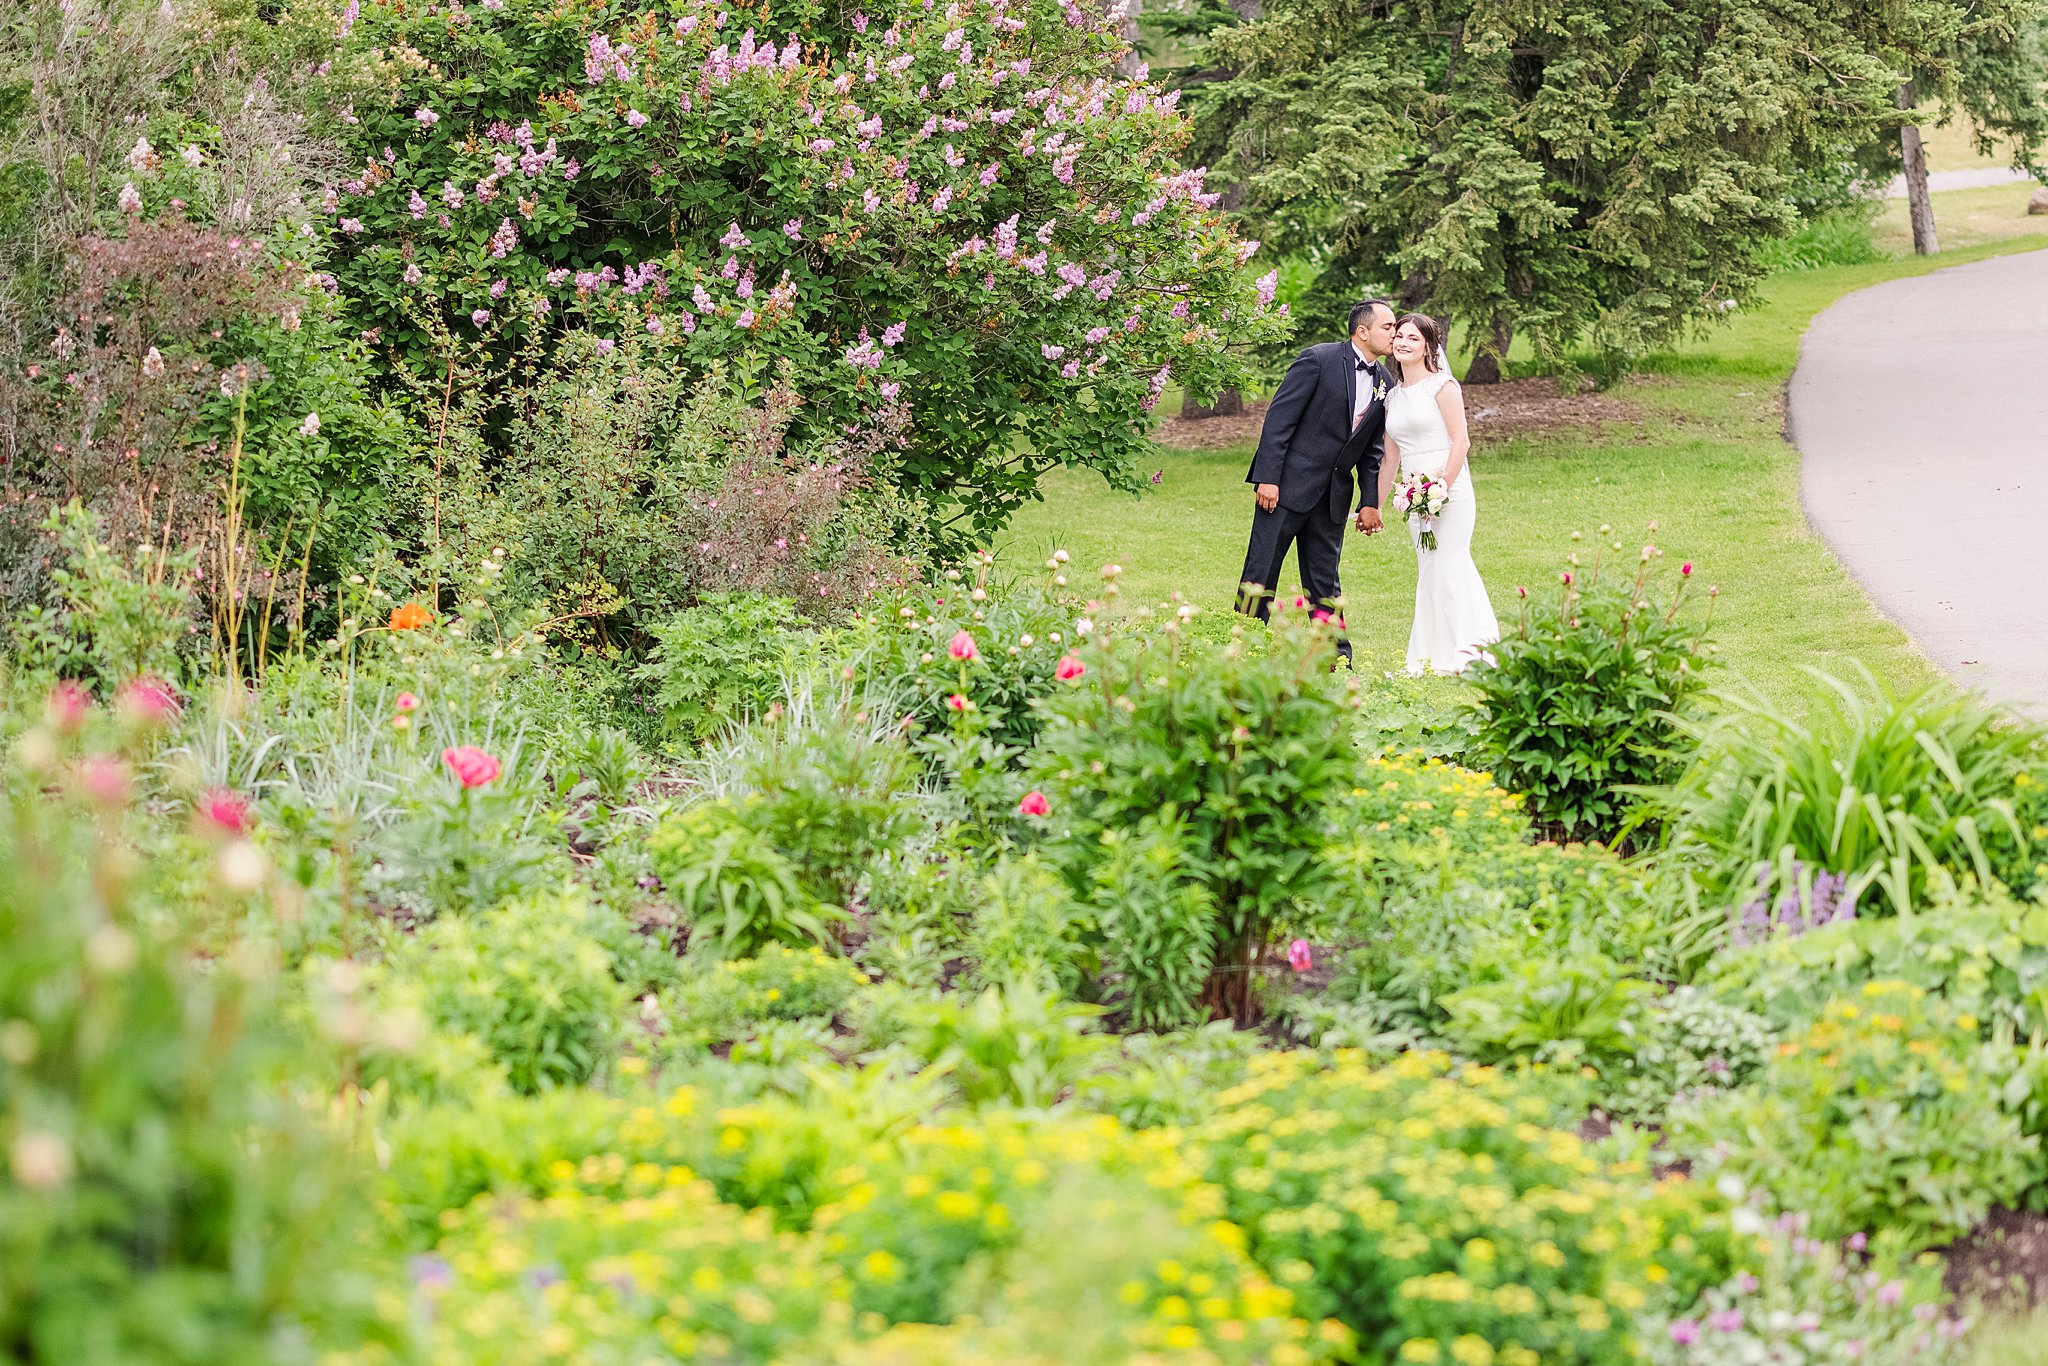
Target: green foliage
x=1430 y=1210
x=720 y=1004
x=1174 y=1078
x=119 y=619
x=1399 y=714
x=1158 y=922
x=1686 y=1044
x=1839 y=237
x=1239 y=752
x=719 y=662
x=1987 y=957
x=655 y=203
x=1892 y=792
x=1882 y=1116
x=162 y=1198
x=1026 y=928
x=738 y=892
x=1011 y=1045
x=527 y=979
x=1551 y=1010
x=1582 y=700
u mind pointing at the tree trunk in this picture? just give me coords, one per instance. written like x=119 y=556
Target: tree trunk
x=1919 y=207
x=1229 y=403
x=1492 y=358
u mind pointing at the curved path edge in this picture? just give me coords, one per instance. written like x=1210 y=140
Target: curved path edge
x=1920 y=410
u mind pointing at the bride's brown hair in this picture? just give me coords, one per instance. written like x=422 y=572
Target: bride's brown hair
x=1432 y=336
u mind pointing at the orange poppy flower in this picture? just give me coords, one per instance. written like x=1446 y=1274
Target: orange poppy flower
x=410 y=616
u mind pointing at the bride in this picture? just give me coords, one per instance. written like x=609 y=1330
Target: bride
x=1454 y=621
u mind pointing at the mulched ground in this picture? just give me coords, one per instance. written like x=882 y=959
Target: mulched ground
x=2004 y=1261
x=1498 y=412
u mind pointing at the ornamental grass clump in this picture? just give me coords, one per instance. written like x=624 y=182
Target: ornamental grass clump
x=1892 y=792
x=1582 y=700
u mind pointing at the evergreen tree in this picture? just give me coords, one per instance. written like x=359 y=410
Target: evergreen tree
x=1584 y=170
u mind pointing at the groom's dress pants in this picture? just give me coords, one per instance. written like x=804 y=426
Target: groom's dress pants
x=1318 y=544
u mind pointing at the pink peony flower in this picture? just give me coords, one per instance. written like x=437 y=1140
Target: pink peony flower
x=1298 y=956
x=104 y=779
x=407 y=702
x=226 y=811
x=66 y=707
x=1685 y=570
x=963 y=647
x=426 y=118
x=148 y=699
x=1034 y=804
x=958 y=702
x=470 y=765
x=1069 y=668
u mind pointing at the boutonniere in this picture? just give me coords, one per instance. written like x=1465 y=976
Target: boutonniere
x=1379 y=391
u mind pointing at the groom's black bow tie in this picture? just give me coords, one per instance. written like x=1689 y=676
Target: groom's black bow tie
x=1365 y=365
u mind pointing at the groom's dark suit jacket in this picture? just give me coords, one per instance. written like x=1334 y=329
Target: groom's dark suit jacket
x=1307 y=446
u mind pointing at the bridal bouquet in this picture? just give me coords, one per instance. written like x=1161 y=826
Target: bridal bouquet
x=1424 y=496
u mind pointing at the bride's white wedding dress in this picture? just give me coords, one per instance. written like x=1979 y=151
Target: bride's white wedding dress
x=1454 y=621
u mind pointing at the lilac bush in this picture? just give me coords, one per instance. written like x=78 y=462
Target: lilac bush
x=961 y=210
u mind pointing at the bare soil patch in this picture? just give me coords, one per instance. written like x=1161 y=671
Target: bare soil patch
x=1498 y=412
x=2004 y=1260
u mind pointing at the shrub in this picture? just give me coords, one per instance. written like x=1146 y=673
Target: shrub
x=1883 y=1115
x=527 y=979
x=719 y=662
x=1008 y=1045
x=1581 y=701
x=1245 y=753
x=116 y=619
x=722 y=1004
x=1020 y=632
x=1172 y=1078
x=1880 y=788
x=1158 y=923
x=826 y=783
x=1027 y=929
x=873 y=232
x=1839 y=237
x=1431 y=1210
x=736 y=889
x=162 y=1199
x=1550 y=1010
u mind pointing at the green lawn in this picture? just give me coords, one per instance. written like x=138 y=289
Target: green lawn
x=1707 y=462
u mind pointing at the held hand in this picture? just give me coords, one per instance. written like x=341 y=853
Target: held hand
x=1268 y=496
x=1369 y=520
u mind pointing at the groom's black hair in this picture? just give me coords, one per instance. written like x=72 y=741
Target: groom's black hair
x=1364 y=309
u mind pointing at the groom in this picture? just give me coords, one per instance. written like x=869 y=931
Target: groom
x=1328 y=420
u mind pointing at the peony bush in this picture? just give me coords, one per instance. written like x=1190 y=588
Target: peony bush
x=959 y=210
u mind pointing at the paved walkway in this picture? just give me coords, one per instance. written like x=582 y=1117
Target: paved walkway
x=1972 y=178
x=1920 y=407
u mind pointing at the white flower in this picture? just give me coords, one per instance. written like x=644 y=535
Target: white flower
x=130 y=199
x=426 y=118
x=311 y=426
x=192 y=156
x=1083 y=626
x=153 y=363
x=142 y=156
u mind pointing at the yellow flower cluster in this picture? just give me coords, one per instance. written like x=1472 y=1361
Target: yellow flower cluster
x=650 y=1247
x=1409 y=798
x=1442 y=1211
